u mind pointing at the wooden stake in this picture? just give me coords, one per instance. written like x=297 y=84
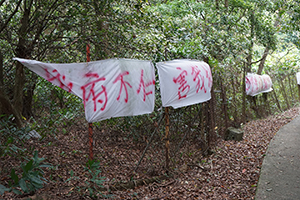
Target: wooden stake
x=167 y=143
x=88 y=53
x=91 y=154
x=91 y=141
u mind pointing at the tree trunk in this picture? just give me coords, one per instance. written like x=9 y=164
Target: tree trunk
x=101 y=48
x=213 y=116
x=1 y=69
x=5 y=106
x=244 y=94
x=27 y=102
x=249 y=57
x=22 y=53
x=276 y=100
x=290 y=86
x=263 y=60
x=1 y=83
x=284 y=93
x=232 y=108
x=224 y=103
x=18 y=91
x=226 y=4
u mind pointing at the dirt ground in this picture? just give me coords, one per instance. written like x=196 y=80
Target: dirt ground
x=230 y=172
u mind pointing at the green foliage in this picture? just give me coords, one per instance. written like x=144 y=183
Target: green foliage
x=93 y=180
x=31 y=178
x=12 y=138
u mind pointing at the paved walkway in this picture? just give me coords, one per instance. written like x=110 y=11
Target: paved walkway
x=280 y=172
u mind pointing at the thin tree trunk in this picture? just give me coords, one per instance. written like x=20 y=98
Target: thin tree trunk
x=224 y=103
x=291 y=90
x=1 y=82
x=207 y=127
x=226 y=4
x=1 y=69
x=212 y=115
x=277 y=102
x=234 y=110
x=249 y=57
x=284 y=93
x=263 y=60
x=244 y=94
x=266 y=103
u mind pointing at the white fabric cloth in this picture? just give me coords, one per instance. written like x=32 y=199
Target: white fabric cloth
x=108 y=88
x=298 y=78
x=257 y=84
x=184 y=82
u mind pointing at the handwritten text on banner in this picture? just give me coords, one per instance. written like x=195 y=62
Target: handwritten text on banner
x=108 y=88
x=184 y=82
x=256 y=84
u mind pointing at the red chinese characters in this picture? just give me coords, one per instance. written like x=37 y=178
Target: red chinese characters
x=89 y=90
x=60 y=78
x=95 y=89
x=144 y=86
x=200 y=75
x=197 y=77
x=123 y=84
x=183 y=88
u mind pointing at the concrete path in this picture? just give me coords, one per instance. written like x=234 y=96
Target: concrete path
x=280 y=172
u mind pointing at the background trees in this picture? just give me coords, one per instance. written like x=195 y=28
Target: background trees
x=233 y=36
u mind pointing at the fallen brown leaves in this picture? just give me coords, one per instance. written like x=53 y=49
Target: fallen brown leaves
x=231 y=172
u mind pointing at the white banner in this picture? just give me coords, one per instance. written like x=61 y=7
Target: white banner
x=256 y=84
x=298 y=78
x=108 y=88
x=184 y=82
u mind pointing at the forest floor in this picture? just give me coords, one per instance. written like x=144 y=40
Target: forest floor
x=230 y=172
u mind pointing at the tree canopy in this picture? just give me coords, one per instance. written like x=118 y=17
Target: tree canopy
x=224 y=33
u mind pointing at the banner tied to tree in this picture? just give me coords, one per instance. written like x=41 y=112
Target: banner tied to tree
x=184 y=82
x=126 y=87
x=257 y=84
x=108 y=88
x=298 y=78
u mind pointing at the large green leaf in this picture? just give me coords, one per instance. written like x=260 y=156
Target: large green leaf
x=14 y=177
x=23 y=185
x=28 y=167
x=36 y=179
